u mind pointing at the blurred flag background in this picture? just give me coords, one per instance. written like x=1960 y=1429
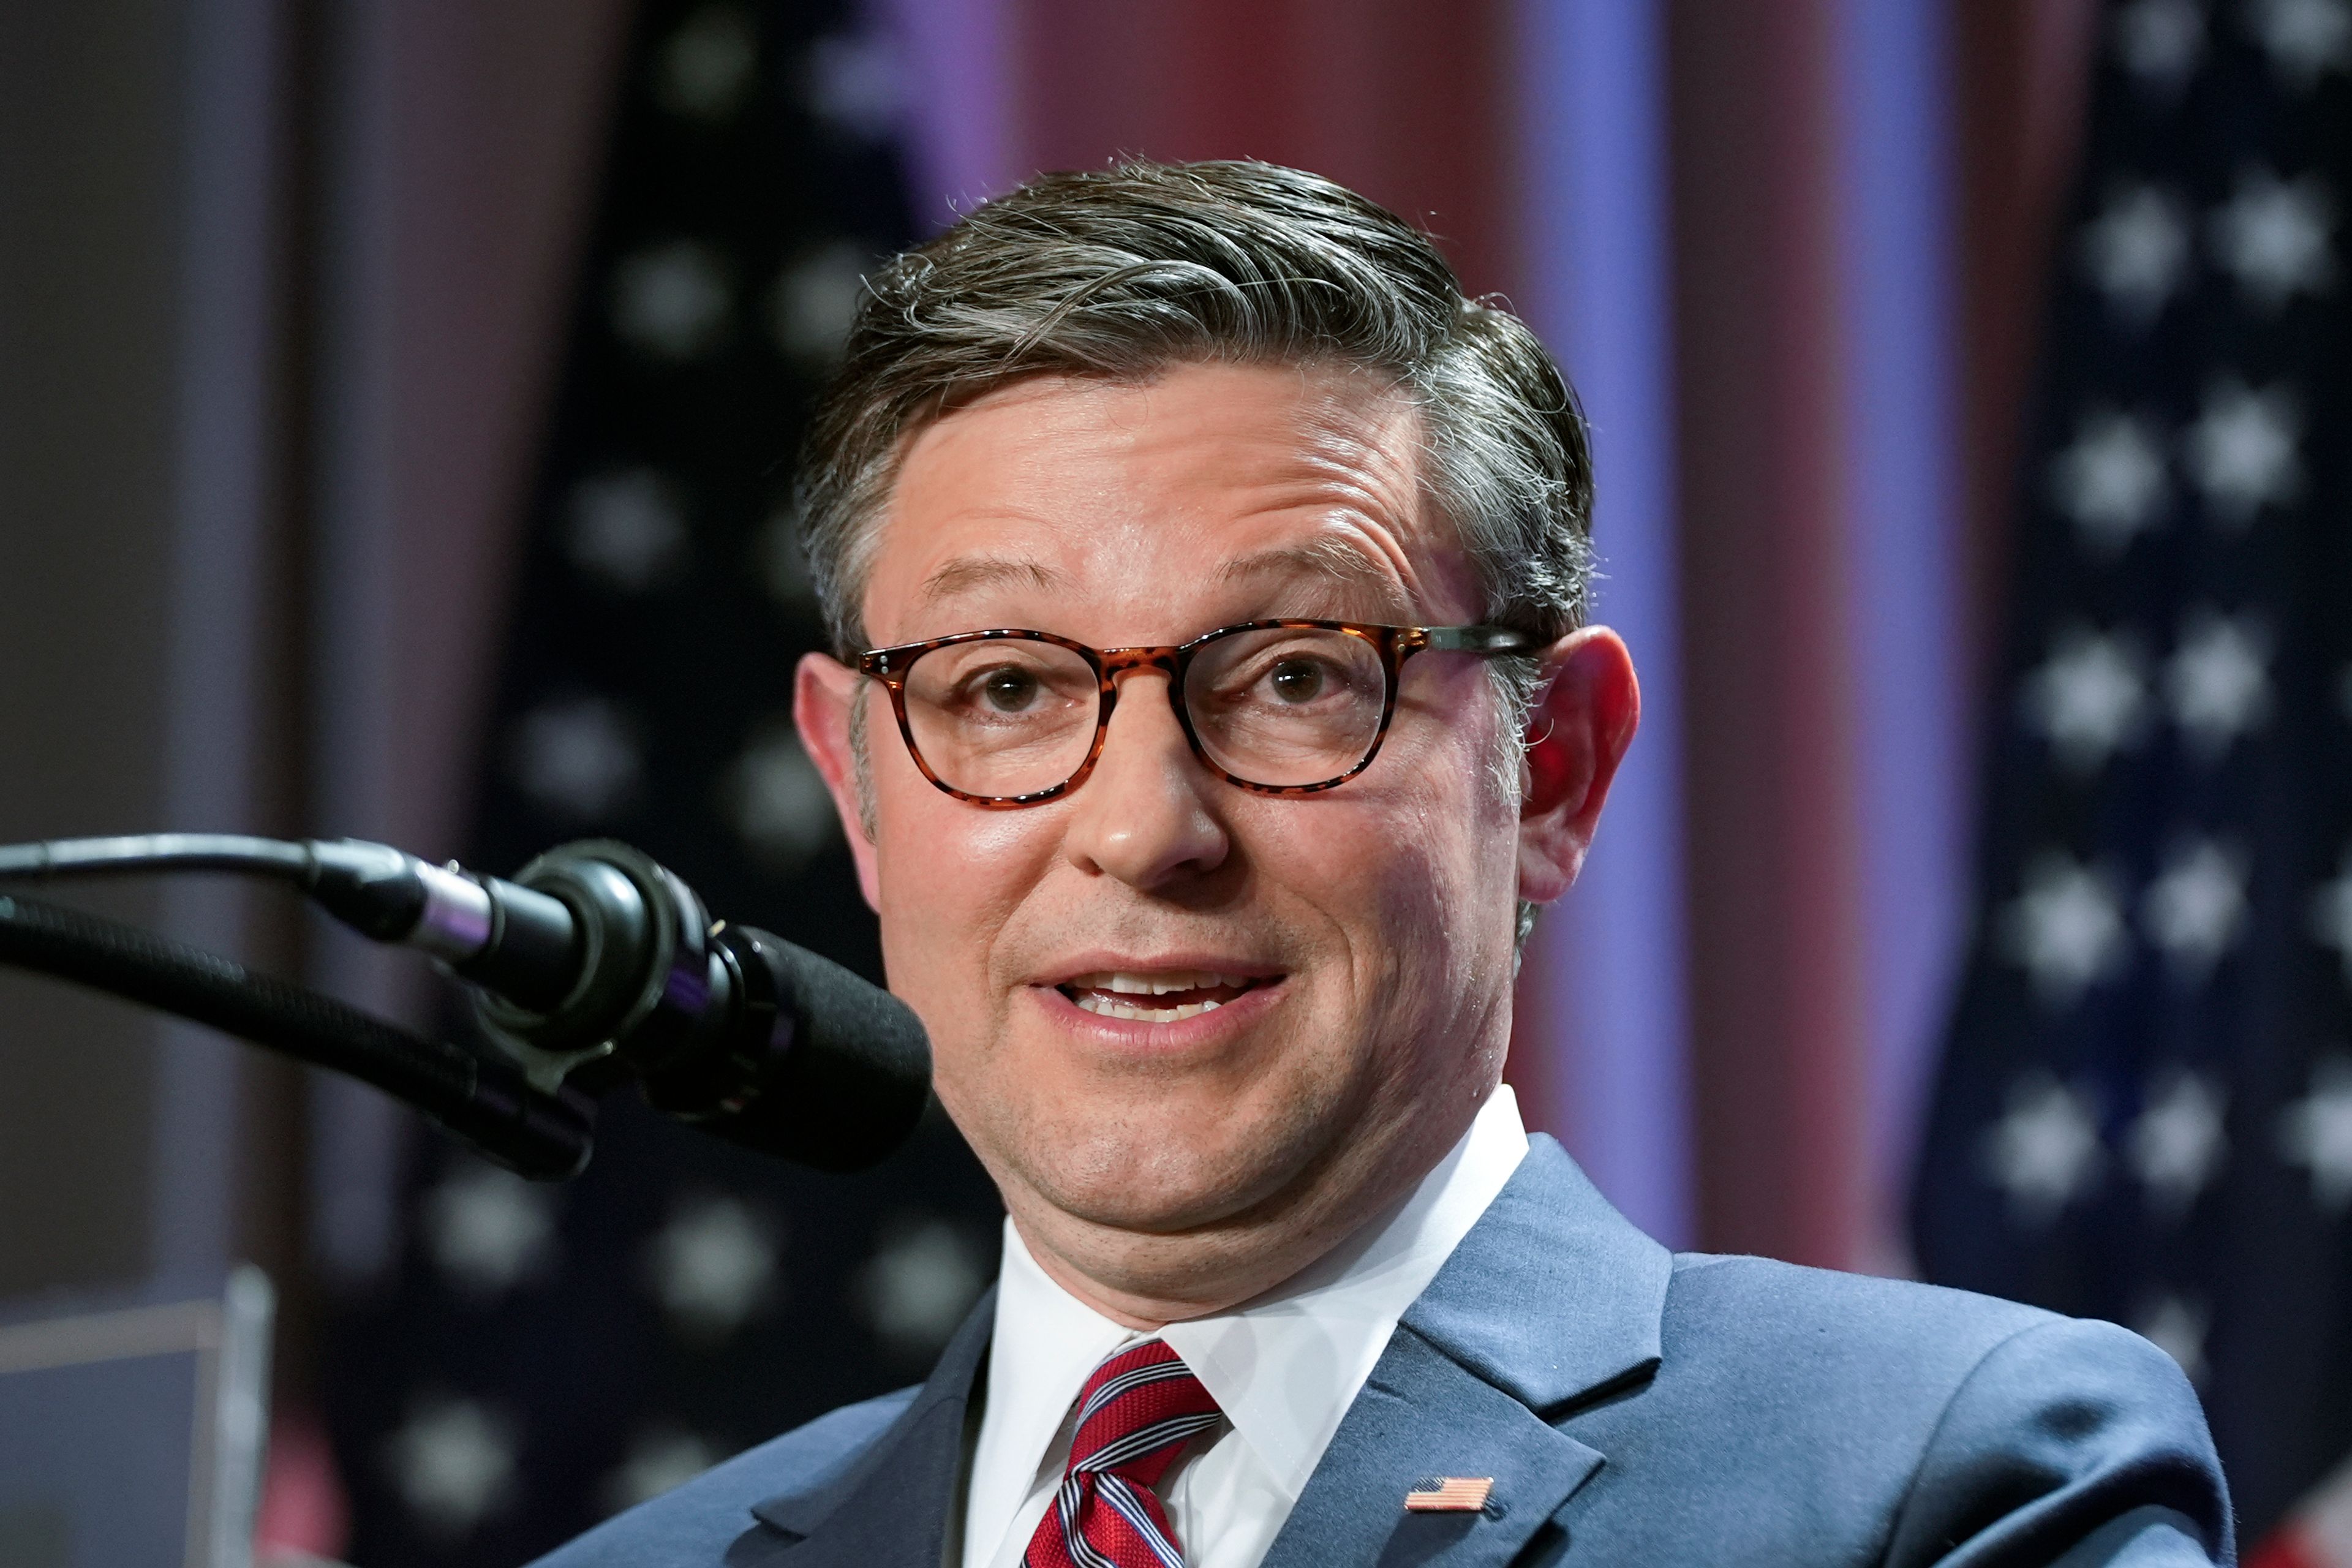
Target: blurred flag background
x=2145 y=1107
x=526 y=1359
x=399 y=406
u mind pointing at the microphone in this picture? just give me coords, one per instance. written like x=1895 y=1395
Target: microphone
x=596 y=964
x=592 y=966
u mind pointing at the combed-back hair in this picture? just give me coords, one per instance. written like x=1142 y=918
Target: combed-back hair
x=1128 y=270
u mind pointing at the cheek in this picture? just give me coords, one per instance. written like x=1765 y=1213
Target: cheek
x=1420 y=870
x=952 y=878
x=1422 y=828
x=1397 y=873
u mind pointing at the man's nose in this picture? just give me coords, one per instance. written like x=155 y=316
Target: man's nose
x=1143 y=815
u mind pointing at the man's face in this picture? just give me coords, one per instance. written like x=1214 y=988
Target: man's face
x=1369 y=926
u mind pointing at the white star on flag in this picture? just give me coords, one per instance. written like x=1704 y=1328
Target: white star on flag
x=659 y=1460
x=2271 y=236
x=2243 y=450
x=672 y=301
x=708 y=67
x=2218 y=682
x=453 y=1463
x=2304 y=38
x=488 y=1229
x=2175 y=1145
x=2111 y=481
x=815 y=300
x=2135 y=250
x=917 y=1285
x=857 y=83
x=2331 y=914
x=2064 y=928
x=2196 y=906
x=777 y=801
x=2088 y=699
x=575 y=755
x=2044 y=1151
x=627 y=528
x=2160 y=42
x=713 y=1265
x=2316 y=1132
x=2177 y=1326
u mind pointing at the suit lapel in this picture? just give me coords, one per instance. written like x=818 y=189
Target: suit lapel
x=1552 y=1299
x=1422 y=1416
x=891 y=1505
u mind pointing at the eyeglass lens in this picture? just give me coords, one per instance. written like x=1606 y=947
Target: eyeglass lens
x=1275 y=706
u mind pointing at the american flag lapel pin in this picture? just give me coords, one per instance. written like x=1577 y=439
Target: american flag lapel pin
x=1450 y=1494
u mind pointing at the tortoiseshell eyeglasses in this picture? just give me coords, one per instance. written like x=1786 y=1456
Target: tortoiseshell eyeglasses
x=1011 y=717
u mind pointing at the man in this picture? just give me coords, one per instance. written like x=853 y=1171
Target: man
x=1215 y=709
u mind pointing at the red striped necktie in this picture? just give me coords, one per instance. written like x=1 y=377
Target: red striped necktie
x=1135 y=1416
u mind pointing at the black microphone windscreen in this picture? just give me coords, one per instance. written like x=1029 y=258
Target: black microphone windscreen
x=855 y=1072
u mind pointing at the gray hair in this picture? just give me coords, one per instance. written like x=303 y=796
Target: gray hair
x=1125 y=271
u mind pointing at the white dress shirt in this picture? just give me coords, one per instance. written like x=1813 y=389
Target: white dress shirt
x=1283 y=1368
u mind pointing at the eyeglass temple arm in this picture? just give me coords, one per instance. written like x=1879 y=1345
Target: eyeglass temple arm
x=1479 y=639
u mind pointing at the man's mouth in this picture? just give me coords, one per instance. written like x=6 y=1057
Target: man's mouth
x=1161 y=996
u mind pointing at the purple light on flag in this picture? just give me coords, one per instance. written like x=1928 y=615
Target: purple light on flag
x=1595 y=205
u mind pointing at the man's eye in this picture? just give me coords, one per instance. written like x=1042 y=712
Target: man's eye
x=1297 y=680
x=1009 y=691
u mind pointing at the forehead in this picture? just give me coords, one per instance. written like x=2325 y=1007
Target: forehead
x=1207 y=490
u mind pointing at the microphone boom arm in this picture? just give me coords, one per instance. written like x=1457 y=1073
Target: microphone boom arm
x=482 y=1103
x=594 y=966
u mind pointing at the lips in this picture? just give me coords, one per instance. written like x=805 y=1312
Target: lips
x=1157 y=996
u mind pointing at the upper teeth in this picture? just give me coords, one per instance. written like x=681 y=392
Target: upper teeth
x=1155 y=984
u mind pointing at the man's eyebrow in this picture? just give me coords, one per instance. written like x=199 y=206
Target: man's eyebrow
x=1339 y=564
x=966 y=572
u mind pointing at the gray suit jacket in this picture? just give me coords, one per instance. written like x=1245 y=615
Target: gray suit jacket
x=1633 y=1407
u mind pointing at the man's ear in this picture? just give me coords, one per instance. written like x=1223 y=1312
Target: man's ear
x=825 y=693
x=1578 y=731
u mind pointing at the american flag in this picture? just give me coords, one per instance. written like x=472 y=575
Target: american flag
x=1450 y=1494
x=2145 y=1111
x=543 y=1356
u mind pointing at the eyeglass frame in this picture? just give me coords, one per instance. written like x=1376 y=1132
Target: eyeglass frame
x=890 y=665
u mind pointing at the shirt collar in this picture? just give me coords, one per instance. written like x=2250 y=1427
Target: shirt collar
x=1045 y=1343
x=1283 y=1367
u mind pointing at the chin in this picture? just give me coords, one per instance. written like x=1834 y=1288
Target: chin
x=1171 y=1182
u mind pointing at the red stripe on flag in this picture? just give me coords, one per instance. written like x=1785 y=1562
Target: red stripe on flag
x=2285 y=1547
x=2318 y=1534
